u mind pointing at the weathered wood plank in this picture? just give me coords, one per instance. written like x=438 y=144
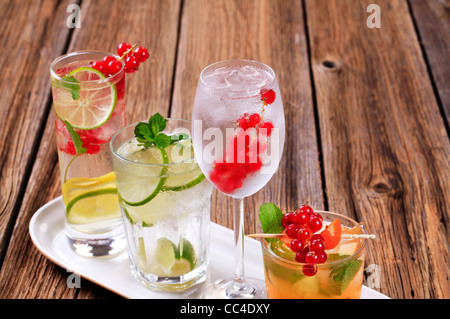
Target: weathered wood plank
x=385 y=148
x=432 y=19
x=152 y=24
x=271 y=32
x=31 y=31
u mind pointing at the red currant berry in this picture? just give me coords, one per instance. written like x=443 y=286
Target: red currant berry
x=309 y=270
x=303 y=234
x=108 y=59
x=292 y=231
x=287 y=219
x=316 y=215
x=297 y=245
x=141 y=54
x=266 y=128
x=317 y=245
x=131 y=64
x=114 y=67
x=322 y=256
x=300 y=255
x=267 y=96
x=300 y=218
x=100 y=66
x=303 y=215
x=316 y=236
x=311 y=257
x=306 y=209
x=122 y=48
x=315 y=224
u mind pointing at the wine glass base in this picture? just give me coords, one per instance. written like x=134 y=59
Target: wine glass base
x=251 y=288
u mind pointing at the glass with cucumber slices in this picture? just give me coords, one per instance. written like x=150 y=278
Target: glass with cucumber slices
x=165 y=201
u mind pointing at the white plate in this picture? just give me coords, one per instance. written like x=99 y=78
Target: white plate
x=47 y=233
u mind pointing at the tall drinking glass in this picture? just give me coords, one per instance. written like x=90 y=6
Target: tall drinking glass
x=165 y=200
x=89 y=108
x=238 y=134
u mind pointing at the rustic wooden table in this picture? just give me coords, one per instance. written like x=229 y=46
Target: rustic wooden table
x=367 y=113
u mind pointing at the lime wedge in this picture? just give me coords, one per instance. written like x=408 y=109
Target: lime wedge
x=146 y=181
x=180 y=267
x=168 y=260
x=165 y=253
x=185 y=173
x=187 y=252
x=93 y=107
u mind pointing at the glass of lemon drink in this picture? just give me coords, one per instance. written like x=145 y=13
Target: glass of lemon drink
x=89 y=108
x=165 y=201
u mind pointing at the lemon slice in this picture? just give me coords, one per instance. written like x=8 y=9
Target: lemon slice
x=90 y=200
x=185 y=172
x=146 y=181
x=94 y=105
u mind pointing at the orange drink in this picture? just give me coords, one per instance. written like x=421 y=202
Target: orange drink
x=325 y=273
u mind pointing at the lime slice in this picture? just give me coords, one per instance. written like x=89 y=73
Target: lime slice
x=93 y=107
x=145 y=182
x=185 y=173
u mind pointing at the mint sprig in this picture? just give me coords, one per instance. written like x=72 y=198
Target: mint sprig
x=270 y=216
x=149 y=134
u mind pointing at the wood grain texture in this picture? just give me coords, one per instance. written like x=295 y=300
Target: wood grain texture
x=271 y=32
x=385 y=147
x=35 y=30
x=432 y=19
x=26 y=273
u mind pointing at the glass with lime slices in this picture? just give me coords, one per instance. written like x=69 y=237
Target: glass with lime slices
x=89 y=108
x=165 y=201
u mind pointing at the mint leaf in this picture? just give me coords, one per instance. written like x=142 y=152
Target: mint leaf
x=157 y=123
x=149 y=134
x=77 y=142
x=270 y=217
x=72 y=87
x=142 y=130
x=349 y=273
x=344 y=273
x=162 y=140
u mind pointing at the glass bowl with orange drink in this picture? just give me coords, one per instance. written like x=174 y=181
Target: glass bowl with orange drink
x=318 y=255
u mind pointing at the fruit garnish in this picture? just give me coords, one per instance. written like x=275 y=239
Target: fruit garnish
x=332 y=234
x=299 y=226
x=243 y=153
x=150 y=133
x=131 y=55
x=267 y=96
x=171 y=260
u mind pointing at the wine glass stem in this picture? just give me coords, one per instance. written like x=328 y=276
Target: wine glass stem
x=239 y=285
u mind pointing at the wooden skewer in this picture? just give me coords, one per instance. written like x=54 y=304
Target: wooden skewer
x=343 y=236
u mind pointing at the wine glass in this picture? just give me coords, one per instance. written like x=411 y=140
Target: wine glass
x=238 y=134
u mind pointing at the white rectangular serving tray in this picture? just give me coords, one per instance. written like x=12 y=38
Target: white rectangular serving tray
x=47 y=233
